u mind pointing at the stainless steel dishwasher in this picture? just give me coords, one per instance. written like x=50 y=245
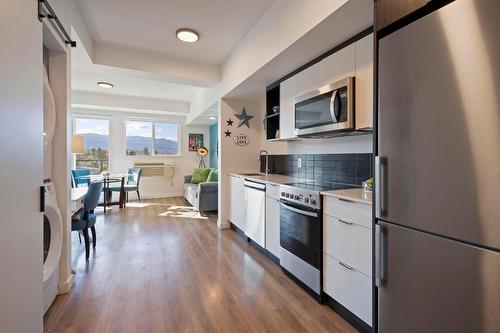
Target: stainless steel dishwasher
x=255 y=211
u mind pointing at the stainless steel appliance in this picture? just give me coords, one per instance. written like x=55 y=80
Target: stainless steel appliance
x=437 y=237
x=255 y=211
x=301 y=232
x=326 y=111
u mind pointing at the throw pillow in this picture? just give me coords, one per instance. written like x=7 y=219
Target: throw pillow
x=213 y=176
x=200 y=175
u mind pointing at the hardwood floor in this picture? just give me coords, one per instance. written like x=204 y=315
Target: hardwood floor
x=161 y=268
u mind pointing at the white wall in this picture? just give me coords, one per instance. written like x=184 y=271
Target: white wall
x=233 y=158
x=150 y=187
x=283 y=23
x=21 y=148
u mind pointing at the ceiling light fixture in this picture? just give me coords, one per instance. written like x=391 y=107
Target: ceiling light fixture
x=187 y=35
x=213 y=118
x=105 y=85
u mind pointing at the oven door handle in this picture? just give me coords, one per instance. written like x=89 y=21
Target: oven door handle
x=299 y=211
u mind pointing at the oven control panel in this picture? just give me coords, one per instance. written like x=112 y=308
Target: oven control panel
x=302 y=196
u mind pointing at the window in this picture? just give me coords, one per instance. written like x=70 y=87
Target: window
x=96 y=140
x=151 y=138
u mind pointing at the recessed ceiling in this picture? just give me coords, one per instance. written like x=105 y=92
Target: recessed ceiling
x=152 y=24
x=125 y=85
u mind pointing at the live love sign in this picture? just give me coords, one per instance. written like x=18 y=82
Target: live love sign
x=241 y=139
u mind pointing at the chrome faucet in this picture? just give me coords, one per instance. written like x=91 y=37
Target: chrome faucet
x=267 y=159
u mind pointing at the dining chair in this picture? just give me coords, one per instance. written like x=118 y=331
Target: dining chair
x=85 y=219
x=80 y=177
x=132 y=183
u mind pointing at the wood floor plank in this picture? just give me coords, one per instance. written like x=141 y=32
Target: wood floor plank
x=161 y=267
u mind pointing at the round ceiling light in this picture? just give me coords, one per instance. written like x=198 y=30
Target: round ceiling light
x=105 y=85
x=213 y=118
x=188 y=35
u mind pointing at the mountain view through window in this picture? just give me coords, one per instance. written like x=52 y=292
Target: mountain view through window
x=145 y=138
x=96 y=142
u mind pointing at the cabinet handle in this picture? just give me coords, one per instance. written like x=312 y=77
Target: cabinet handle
x=380 y=191
x=346 y=265
x=345 y=222
x=380 y=256
x=346 y=200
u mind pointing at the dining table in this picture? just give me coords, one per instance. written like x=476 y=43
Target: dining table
x=108 y=179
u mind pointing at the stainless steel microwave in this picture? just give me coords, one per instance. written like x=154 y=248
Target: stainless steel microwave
x=327 y=111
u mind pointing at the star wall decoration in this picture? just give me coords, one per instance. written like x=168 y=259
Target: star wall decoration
x=229 y=122
x=244 y=118
x=228 y=133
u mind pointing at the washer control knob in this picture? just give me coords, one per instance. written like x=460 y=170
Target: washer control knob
x=282 y=194
x=312 y=201
x=306 y=200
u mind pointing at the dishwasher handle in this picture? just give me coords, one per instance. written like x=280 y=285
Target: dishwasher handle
x=255 y=186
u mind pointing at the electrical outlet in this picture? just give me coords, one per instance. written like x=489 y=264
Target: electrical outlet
x=299 y=163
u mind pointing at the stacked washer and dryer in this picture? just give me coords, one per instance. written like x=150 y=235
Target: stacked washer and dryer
x=52 y=220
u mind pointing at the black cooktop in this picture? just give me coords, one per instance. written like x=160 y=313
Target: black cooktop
x=320 y=186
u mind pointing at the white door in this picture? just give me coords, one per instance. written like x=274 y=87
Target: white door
x=273 y=226
x=21 y=148
x=288 y=91
x=255 y=214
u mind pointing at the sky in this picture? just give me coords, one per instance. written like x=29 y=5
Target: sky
x=133 y=128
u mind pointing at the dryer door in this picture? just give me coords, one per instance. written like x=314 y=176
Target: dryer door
x=52 y=240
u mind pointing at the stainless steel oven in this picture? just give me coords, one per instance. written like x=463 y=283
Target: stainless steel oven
x=326 y=111
x=301 y=242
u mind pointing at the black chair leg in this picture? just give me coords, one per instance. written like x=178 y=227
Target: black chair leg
x=127 y=196
x=79 y=237
x=87 y=242
x=138 y=196
x=94 y=238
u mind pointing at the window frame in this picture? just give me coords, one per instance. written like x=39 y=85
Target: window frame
x=109 y=118
x=153 y=121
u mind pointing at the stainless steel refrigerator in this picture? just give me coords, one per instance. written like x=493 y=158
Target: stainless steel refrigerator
x=437 y=237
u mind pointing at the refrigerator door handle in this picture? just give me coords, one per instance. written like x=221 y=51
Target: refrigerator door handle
x=380 y=207
x=380 y=254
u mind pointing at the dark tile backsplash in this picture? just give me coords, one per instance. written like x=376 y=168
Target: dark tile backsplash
x=349 y=169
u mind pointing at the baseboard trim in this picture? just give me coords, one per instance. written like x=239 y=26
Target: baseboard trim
x=223 y=225
x=170 y=195
x=65 y=287
x=259 y=248
x=348 y=316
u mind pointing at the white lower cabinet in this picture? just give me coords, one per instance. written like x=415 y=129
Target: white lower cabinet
x=273 y=226
x=351 y=243
x=349 y=287
x=237 y=201
x=347 y=255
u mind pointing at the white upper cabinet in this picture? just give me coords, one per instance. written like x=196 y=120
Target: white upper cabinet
x=288 y=91
x=364 y=82
x=353 y=60
x=335 y=67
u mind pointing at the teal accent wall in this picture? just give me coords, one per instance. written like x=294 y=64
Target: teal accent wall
x=212 y=150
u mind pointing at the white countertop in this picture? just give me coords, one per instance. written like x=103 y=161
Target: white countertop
x=274 y=179
x=353 y=194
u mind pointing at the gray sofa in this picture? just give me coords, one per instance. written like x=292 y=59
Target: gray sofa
x=203 y=196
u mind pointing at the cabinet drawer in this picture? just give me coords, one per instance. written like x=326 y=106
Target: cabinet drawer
x=273 y=191
x=348 y=287
x=350 y=243
x=349 y=211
